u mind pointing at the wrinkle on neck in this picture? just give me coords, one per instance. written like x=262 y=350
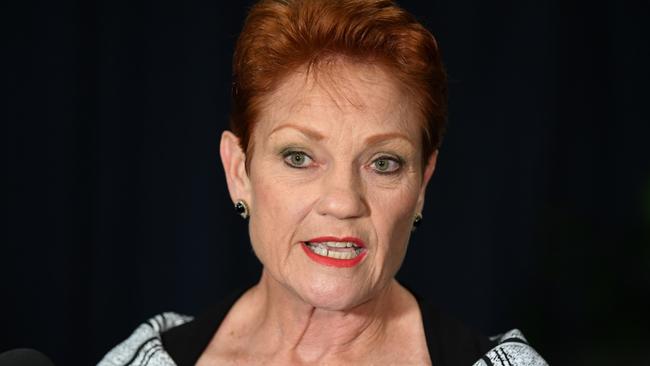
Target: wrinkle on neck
x=289 y=326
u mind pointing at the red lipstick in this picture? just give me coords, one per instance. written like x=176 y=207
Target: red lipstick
x=322 y=254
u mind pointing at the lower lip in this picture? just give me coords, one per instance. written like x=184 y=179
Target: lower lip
x=333 y=262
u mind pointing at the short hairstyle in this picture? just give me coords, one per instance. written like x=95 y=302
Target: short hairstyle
x=280 y=36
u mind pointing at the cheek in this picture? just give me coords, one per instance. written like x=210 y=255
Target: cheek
x=275 y=214
x=394 y=217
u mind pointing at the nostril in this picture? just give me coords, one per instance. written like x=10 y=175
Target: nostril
x=342 y=204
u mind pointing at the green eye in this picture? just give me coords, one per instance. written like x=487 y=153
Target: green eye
x=297 y=159
x=386 y=165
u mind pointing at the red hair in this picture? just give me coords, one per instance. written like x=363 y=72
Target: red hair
x=280 y=36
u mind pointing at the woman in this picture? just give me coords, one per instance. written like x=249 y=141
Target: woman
x=339 y=109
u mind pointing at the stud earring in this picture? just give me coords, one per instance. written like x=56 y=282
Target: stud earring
x=242 y=208
x=417 y=221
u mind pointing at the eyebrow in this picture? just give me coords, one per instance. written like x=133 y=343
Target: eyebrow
x=312 y=134
x=315 y=135
x=375 y=139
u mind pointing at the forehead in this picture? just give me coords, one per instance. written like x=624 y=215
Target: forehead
x=340 y=96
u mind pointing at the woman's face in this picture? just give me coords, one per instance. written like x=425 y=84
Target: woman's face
x=334 y=183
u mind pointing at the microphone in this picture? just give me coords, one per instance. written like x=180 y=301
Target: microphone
x=24 y=357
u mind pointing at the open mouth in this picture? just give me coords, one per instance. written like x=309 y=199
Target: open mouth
x=335 y=249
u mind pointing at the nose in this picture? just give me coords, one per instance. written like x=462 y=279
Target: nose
x=342 y=195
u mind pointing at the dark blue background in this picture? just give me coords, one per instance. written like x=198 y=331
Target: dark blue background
x=538 y=216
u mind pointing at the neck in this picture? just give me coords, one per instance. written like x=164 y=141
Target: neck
x=292 y=328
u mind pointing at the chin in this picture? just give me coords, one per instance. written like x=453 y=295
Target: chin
x=334 y=295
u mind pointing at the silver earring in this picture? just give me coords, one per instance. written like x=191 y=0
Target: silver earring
x=242 y=208
x=417 y=221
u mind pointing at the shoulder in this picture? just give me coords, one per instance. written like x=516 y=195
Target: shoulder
x=511 y=349
x=170 y=339
x=144 y=346
x=451 y=342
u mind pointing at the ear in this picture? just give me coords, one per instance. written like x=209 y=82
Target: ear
x=428 y=172
x=233 y=159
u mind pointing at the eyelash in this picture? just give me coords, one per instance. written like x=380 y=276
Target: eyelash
x=288 y=154
x=396 y=160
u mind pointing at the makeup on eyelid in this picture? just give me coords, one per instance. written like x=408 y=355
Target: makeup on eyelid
x=296 y=158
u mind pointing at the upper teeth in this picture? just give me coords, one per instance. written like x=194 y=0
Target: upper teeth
x=335 y=249
x=336 y=244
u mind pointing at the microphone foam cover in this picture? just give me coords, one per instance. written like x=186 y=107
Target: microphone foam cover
x=24 y=357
